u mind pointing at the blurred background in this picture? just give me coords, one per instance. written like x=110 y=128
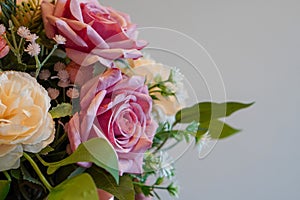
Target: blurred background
x=256 y=46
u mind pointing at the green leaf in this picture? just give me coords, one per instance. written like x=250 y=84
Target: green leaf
x=46 y=150
x=218 y=129
x=96 y=150
x=203 y=112
x=104 y=181
x=62 y=110
x=76 y=188
x=27 y=176
x=4 y=188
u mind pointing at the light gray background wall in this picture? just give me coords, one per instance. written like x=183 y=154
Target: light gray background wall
x=256 y=46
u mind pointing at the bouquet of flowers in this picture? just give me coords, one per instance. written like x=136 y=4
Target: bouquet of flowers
x=83 y=114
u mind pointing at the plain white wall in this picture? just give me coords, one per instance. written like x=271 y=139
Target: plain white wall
x=256 y=46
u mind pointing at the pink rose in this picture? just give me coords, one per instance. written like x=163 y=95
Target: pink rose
x=93 y=32
x=4 y=48
x=118 y=108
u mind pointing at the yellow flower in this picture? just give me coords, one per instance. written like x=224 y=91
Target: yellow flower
x=25 y=124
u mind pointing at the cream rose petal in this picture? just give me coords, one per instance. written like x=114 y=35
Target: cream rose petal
x=11 y=159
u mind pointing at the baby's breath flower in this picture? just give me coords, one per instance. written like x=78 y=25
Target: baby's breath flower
x=73 y=93
x=59 y=39
x=33 y=49
x=63 y=75
x=44 y=74
x=63 y=83
x=2 y=29
x=23 y=31
x=59 y=66
x=53 y=93
x=32 y=38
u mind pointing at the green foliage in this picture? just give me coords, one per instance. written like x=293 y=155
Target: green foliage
x=97 y=151
x=123 y=191
x=4 y=188
x=208 y=114
x=26 y=14
x=218 y=129
x=203 y=112
x=76 y=188
x=8 y=8
x=27 y=176
x=61 y=110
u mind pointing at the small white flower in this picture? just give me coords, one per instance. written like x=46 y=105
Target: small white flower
x=73 y=93
x=63 y=75
x=53 y=93
x=203 y=143
x=31 y=38
x=33 y=49
x=59 y=39
x=59 y=66
x=2 y=29
x=23 y=31
x=176 y=76
x=44 y=74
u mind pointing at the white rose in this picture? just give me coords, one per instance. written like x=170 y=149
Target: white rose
x=25 y=124
x=165 y=108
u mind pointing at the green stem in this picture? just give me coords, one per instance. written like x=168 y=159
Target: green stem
x=38 y=171
x=38 y=66
x=11 y=27
x=161 y=145
x=7 y=175
x=49 y=55
x=150 y=186
x=13 y=49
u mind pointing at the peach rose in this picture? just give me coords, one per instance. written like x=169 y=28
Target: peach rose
x=25 y=124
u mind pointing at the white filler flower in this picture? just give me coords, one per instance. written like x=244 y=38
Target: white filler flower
x=25 y=124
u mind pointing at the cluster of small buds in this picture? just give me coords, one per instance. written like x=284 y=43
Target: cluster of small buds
x=59 y=39
x=44 y=74
x=32 y=38
x=64 y=81
x=33 y=48
x=73 y=93
x=53 y=93
x=2 y=29
x=63 y=77
x=59 y=66
x=23 y=32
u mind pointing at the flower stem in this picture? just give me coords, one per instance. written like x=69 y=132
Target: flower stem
x=38 y=66
x=38 y=171
x=49 y=55
x=7 y=175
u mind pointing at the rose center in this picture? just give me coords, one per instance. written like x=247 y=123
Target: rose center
x=126 y=122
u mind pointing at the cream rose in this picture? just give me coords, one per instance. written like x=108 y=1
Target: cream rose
x=164 y=108
x=25 y=124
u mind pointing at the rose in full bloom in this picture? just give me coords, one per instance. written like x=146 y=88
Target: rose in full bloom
x=25 y=124
x=93 y=32
x=4 y=48
x=165 y=107
x=116 y=107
